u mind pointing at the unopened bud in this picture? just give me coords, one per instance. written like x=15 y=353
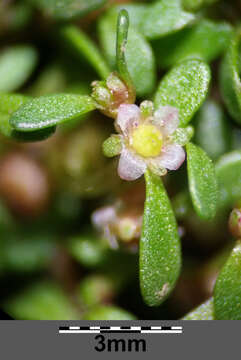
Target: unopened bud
x=235 y=223
x=112 y=146
x=147 y=108
x=101 y=95
x=110 y=94
x=128 y=228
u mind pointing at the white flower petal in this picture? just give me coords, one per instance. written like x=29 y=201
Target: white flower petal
x=171 y=158
x=167 y=118
x=130 y=166
x=103 y=216
x=128 y=116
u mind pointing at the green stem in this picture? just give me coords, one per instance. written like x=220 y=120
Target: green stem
x=121 y=42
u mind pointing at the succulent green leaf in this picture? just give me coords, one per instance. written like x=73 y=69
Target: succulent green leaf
x=121 y=42
x=16 y=65
x=230 y=78
x=202 y=182
x=165 y=17
x=205 y=40
x=9 y=103
x=160 y=253
x=212 y=131
x=42 y=301
x=139 y=55
x=104 y=312
x=86 y=48
x=51 y=110
x=87 y=250
x=228 y=171
x=195 y=5
x=67 y=9
x=136 y=13
x=25 y=251
x=96 y=289
x=185 y=87
x=227 y=292
x=204 y=311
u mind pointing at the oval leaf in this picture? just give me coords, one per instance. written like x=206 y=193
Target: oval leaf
x=227 y=292
x=202 y=182
x=9 y=103
x=50 y=110
x=85 y=47
x=212 y=131
x=42 y=301
x=203 y=312
x=66 y=9
x=104 y=312
x=197 y=4
x=228 y=171
x=230 y=79
x=205 y=40
x=184 y=87
x=160 y=253
x=139 y=54
x=165 y=17
x=16 y=65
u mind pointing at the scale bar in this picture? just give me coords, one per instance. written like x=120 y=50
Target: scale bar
x=120 y=329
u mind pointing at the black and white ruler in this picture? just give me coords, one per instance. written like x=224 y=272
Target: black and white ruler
x=120 y=329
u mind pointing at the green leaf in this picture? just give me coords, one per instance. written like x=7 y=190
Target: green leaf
x=165 y=17
x=9 y=103
x=47 y=111
x=88 y=250
x=212 y=131
x=227 y=292
x=184 y=87
x=104 y=312
x=96 y=289
x=204 y=311
x=205 y=40
x=194 y=5
x=202 y=182
x=136 y=13
x=42 y=301
x=230 y=78
x=160 y=253
x=85 y=47
x=67 y=9
x=26 y=252
x=16 y=65
x=228 y=171
x=139 y=54
x=121 y=42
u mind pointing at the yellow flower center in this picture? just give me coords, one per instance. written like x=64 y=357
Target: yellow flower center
x=147 y=140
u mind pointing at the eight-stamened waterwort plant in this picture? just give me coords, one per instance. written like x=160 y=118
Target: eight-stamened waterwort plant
x=151 y=136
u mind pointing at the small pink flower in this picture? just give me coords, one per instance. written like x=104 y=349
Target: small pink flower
x=147 y=141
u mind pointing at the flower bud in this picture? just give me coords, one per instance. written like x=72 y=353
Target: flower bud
x=112 y=146
x=147 y=108
x=110 y=94
x=102 y=95
x=235 y=223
